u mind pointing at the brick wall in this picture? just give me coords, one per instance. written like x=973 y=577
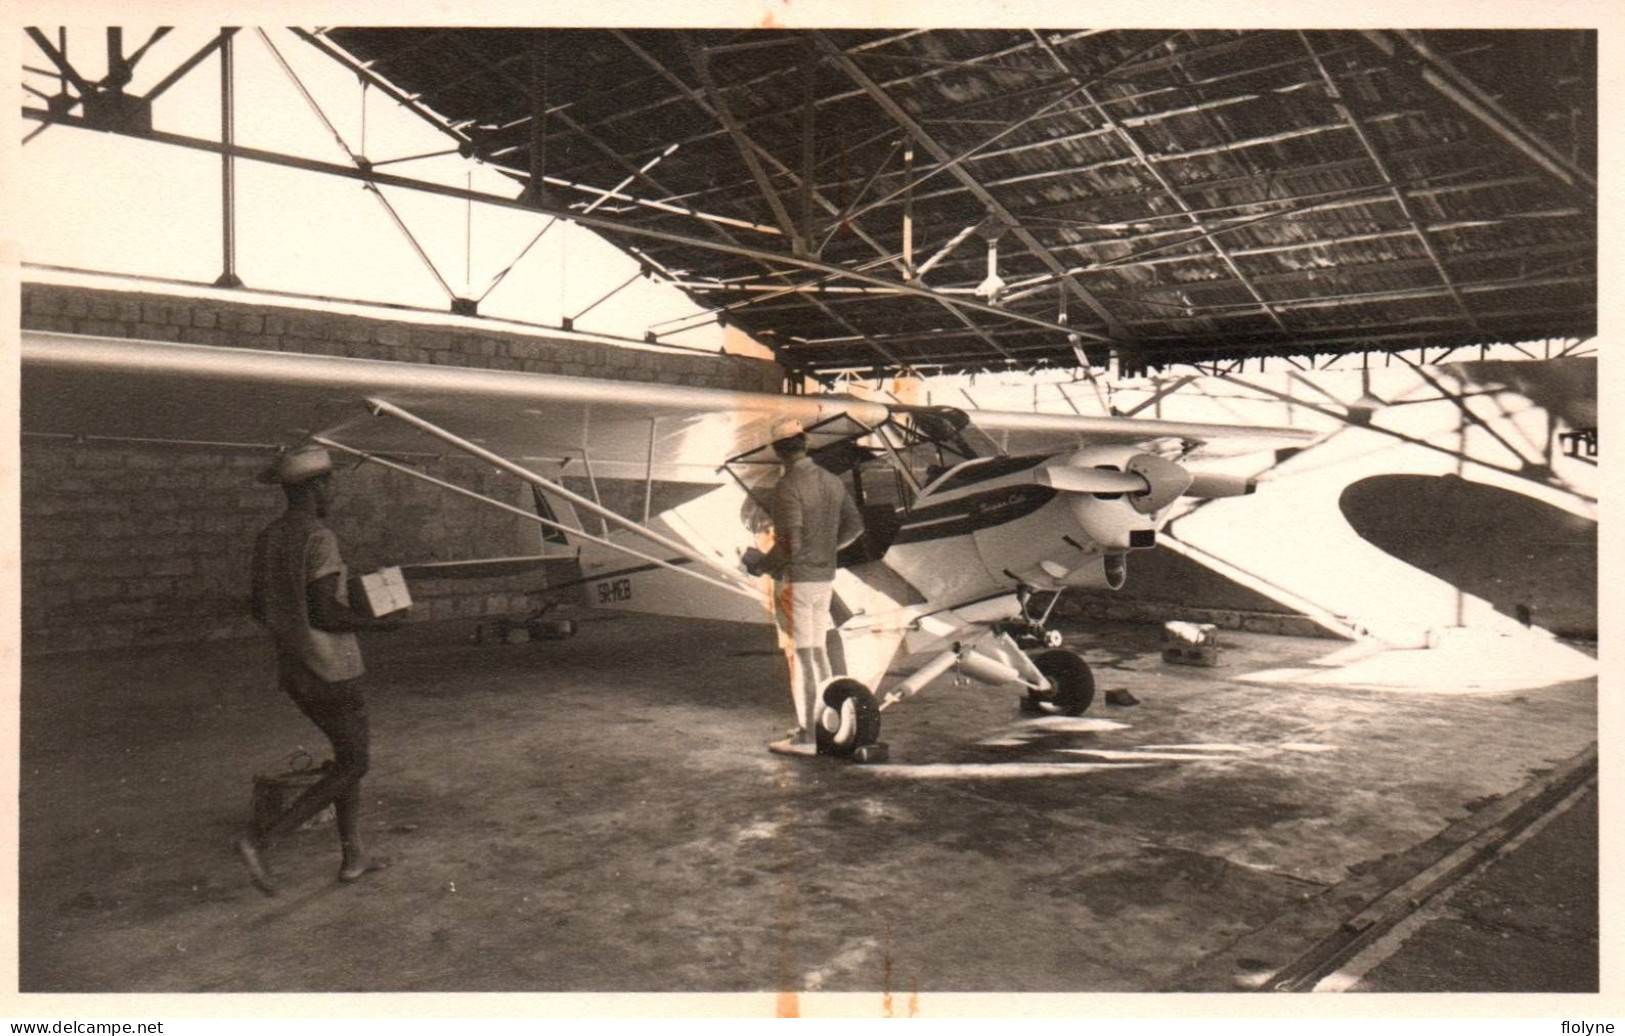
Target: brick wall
x=128 y=545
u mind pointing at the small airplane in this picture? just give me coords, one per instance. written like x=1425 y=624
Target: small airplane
x=968 y=514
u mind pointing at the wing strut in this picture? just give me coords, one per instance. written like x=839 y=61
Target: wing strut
x=727 y=574
x=538 y=519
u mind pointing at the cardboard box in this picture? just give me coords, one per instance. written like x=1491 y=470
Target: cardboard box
x=380 y=593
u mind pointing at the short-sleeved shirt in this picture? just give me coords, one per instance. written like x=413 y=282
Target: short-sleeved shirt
x=290 y=554
x=813 y=517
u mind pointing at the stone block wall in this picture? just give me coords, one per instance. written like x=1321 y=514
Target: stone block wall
x=128 y=545
x=258 y=325
x=1164 y=586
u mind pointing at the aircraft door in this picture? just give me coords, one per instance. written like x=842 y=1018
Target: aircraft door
x=879 y=493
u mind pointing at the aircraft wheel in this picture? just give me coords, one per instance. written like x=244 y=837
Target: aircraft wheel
x=850 y=719
x=1073 y=685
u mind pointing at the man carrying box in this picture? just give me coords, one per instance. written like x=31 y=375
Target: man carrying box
x=300 y=594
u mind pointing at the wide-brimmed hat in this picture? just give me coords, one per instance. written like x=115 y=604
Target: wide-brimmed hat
x=787 y=428
x=297 y=465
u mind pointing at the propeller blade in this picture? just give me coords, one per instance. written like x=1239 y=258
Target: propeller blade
x=1093 y=480
x=1211 y=485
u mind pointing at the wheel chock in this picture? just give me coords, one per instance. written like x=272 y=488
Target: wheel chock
x=875 y=753
x=806 y=750
x=1031 y=707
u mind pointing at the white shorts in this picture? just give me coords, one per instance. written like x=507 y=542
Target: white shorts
x=801 y=611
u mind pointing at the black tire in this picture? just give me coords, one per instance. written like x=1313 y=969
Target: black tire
x=859 y=714
x=1073 y=685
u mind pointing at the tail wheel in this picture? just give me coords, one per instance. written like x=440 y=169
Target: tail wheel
x=1072 y=685
x=850 y=718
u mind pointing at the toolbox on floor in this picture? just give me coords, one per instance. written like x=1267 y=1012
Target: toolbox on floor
x=1190 y=643
x=522 y=629
x=275 y=792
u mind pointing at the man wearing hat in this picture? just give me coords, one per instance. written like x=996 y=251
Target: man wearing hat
x=300 y=595
x=813 y=518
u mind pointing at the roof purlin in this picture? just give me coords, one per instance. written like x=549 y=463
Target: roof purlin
x=816 y=196
x=1025 y=236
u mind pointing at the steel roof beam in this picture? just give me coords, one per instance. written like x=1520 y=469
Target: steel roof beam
x=1136 y=63
x=1345 y=199
x=1320 y=201
x=593 y=221
x=1168 y=186
x=1454 y=151
x=1401 y=295
x=699 y=101
x=744 y=144
x=1289 y=276
x=1131 y=66
x=1438 y=72
x=190 y=63
x=1176 y=300
x=836 y=98
x=1339 y=199
x=766 y=264
x=948 y=114
x=1164 y=350
x=1159 y=354
x=1022 y=289
x=954 y=113
x=1345 y=107
x=918 y=132
x=1148 y=259
x=1180 y=156
x=60 y=60
x=1379 y=332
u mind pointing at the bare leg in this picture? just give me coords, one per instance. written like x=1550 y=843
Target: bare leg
x=339 y=710
x=807 y=704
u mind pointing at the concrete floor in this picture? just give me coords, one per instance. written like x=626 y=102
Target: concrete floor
x=600 y=815
x=1528 y=921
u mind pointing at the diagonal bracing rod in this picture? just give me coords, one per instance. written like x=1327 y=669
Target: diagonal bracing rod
x=715 y=224
x=901 y=116
x=594 y=221
x=702 y=69
x=699 y=101
x=358 y=162
x=1346 y=108
x=521 y=512
x=379 y=406
x=1441 y=75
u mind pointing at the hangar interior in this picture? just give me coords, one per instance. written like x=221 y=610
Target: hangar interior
x=1385 y=238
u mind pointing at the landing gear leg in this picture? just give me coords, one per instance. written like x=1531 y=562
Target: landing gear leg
x=1032 y=633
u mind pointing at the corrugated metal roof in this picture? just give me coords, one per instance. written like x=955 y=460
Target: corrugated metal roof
x=1204 y=191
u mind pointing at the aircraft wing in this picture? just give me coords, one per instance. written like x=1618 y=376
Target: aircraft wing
x=121 y=389
x=130 y=390
x=1022 y=433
